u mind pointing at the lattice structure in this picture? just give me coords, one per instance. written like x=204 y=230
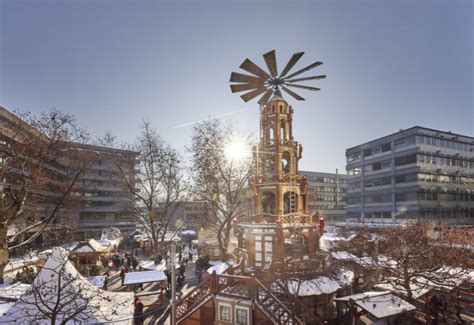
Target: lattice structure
x=282 y=222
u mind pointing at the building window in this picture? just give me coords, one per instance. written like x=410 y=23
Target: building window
x=354 y=171
x=241 y=316
x=353 y=156
x=386 y=147
x=225 y=313
x=405 y=160
x=377 y=166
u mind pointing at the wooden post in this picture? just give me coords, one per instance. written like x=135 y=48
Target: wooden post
x=214 y=288
x=279 y=245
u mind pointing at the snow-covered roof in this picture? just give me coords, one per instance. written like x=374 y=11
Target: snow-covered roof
x=13 y=291
x=91 y=246
x=420 y=285
x=319 y=285
x=363 y=295
x=417 y=290
x=109 y=243
x=104 y=240
x=385 y=305
x=363 y=261
x=171 y=235
x=76 y=292
x=219 y=268
x=188 y=233
x=328 y=240
x=97 y=281
x=144 y=277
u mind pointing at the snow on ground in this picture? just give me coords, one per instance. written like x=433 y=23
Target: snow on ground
x=5 y=308
x=14 y=291
x=151 y=266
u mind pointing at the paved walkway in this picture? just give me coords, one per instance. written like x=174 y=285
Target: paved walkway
x=154 y=306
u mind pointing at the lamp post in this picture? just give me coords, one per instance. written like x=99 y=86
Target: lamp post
x=173 y=281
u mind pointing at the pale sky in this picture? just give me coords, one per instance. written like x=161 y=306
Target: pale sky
x=390 y=65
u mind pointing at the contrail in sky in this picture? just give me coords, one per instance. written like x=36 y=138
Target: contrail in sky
x=211 y=118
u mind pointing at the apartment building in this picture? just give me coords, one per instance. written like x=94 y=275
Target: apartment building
x=418 y=173
x=106 y=196
x=100 y=196
x=327 y=195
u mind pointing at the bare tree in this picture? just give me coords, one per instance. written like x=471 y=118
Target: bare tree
x=39 y=174
x=415 y=257
x=219 y=179
x=60 y=294
x=157 y=187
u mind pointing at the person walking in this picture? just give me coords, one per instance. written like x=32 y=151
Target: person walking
x=138 y=314
x=182 y=269
x=134 y=262
x=106 y=282
x=168 y=278
x=122 y=274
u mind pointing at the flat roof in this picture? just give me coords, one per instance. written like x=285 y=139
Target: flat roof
x=410 y=129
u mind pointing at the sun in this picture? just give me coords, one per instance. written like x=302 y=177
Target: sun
x=236 y=149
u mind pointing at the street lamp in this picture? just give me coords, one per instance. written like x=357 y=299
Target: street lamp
x=173 y=280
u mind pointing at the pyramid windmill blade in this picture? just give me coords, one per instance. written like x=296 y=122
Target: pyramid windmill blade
x=307 y=78
x=254 y=69
x=294 y=59
x=239 y=77
x=309 y=67
x=264 y=99
x=252 y=94
x=241 y=87
x=270 y=60
x=291 y=93
x=303 y=87
x=263 y=83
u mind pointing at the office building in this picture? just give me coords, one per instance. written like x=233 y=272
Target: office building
x=327 y=195
x=418 y=173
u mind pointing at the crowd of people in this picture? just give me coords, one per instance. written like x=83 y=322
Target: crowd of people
x=129 y=262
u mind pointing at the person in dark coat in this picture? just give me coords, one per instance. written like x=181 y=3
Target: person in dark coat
x=134 y=262
x=182 y=269
x=122 y=274
x=106 y=282
x=180 y=280
x=138 y=314
x=168 y=278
